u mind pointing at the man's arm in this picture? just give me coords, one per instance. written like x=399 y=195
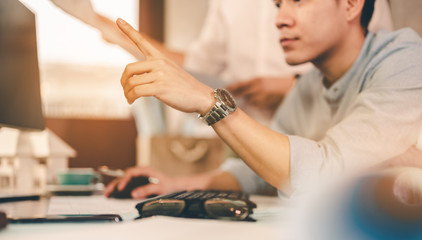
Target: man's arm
x=265 y=151
x=217 y=180
x=370 y=132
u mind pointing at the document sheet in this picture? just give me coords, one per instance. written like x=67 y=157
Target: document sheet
x=61 y=205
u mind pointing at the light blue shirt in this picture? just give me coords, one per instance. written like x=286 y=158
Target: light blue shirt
x=371 y=114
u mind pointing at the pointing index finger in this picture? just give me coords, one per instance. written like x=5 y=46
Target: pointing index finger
x=146 y=48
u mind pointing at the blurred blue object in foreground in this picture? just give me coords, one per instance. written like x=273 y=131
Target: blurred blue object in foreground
x=386 y=205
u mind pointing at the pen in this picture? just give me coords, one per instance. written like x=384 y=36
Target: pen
x=68 y=218
x=17 y=197
x=119 y=173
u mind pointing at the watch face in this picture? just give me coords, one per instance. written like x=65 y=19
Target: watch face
x=227 y=98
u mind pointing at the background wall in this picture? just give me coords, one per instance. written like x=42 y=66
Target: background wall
x=407 y=13
x=63 y=38
x=183 y=21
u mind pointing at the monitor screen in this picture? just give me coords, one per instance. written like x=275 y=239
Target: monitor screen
x=20 y=98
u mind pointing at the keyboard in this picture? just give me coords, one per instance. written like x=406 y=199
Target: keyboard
x=209 y=204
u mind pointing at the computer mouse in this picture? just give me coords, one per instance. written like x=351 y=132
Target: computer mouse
x=132 y=184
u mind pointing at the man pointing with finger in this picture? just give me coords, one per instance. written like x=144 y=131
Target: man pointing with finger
x=361 y=105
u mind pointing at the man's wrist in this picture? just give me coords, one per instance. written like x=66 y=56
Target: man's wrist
x=210 y=104
x=224 y=106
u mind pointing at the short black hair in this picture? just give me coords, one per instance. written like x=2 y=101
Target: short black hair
x=367 y=12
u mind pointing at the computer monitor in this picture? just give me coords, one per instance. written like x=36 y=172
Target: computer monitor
x=20 y=97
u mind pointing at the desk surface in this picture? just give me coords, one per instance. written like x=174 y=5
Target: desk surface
x=268 y=214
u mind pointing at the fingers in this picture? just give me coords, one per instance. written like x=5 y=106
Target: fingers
x=140 y=192
x=251 y=91
x=246 y=91
x=137 y=78
x=134 y=172
x=140 y=86
x=256 y=100
x=236 y=88
x=138 y=68
x=129 y=174
x=243 y=89
x=146 y=48
x=147 y=190
x=146 y=90
x=110 y=187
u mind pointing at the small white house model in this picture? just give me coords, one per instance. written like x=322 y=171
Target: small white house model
x=29 y=160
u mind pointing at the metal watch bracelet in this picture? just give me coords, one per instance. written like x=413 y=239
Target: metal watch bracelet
x=217 y=112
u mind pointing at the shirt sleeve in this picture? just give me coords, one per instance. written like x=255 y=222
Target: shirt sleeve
x=249 y=181
x=207 y=54
x=383 y=122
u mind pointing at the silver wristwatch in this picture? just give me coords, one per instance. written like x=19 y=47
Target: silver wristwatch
x=224 y=106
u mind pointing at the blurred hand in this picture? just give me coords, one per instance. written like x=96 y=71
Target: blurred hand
x=264 y=92
x=162 y=78
x=165 y=185
x=112 y=34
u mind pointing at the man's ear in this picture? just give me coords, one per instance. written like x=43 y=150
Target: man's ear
x=354 y=9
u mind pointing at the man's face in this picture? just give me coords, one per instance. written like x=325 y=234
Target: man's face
x=310 y=29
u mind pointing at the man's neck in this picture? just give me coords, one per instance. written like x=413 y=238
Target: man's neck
x=336 y=62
